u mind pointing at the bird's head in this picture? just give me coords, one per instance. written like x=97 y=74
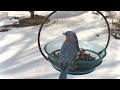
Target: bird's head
x=70 y=36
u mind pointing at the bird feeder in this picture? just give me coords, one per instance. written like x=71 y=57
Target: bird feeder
x=80 y=67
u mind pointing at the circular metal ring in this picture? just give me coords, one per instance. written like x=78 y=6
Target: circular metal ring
x=39 y=44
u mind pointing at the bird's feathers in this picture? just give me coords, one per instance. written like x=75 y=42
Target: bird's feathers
x=68 y=51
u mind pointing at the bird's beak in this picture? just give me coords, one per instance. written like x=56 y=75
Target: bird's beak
x=64 y=33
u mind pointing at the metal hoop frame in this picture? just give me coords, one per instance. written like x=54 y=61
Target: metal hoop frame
x=39 y=44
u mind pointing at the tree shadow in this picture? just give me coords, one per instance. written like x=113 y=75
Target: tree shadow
x=24 y=52
x=66 y=14
x=48 y=76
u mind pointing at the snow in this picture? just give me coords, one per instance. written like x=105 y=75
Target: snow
x=20 y=57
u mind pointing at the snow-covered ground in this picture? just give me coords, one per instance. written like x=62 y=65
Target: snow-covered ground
x=20 y=57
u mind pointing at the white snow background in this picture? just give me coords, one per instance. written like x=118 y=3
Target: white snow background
x=20 y=57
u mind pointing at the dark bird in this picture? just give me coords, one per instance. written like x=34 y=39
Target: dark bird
x=68 y=52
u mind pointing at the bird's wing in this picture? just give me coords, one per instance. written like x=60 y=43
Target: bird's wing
x=62 y=51
x=63 y=74
x=66 y=52
x=69 y=51
x=73 y=52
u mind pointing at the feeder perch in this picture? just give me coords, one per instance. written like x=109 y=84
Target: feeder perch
x=80 y=67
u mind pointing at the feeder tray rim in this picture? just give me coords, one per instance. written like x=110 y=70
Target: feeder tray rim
x=100 y=58
x=75 y=73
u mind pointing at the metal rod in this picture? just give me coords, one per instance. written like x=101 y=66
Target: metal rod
x=108 y=32
x=39 y=44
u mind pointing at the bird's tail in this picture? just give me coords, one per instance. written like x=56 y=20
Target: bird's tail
x=63 y=74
